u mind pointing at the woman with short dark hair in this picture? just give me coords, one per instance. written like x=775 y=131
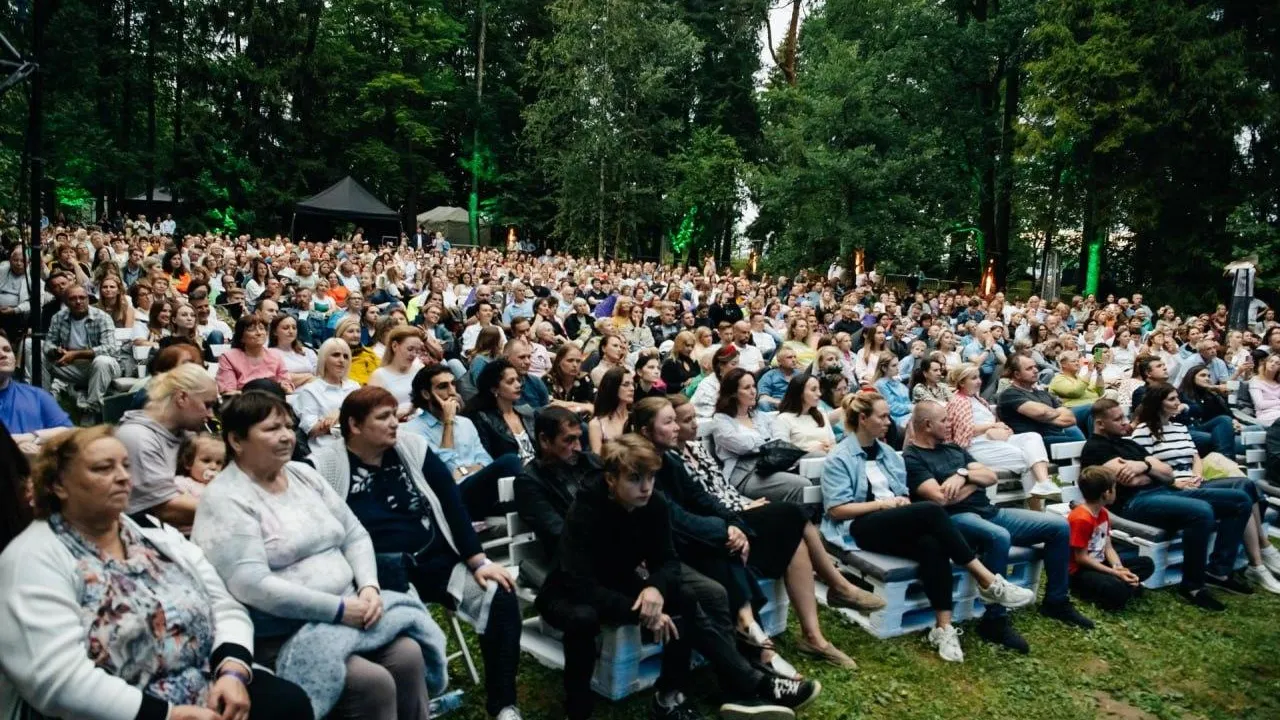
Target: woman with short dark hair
x=292 y=551
x=249 y=358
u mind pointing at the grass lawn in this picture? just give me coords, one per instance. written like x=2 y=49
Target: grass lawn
x=1160 y=659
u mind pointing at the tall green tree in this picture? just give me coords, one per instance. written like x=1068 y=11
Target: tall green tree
x=602 y=129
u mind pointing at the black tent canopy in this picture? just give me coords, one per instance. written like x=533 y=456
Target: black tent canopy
x=347 y=200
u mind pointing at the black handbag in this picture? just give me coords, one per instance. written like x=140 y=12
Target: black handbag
x=777 y=456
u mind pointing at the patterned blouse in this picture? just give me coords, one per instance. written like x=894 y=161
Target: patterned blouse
x=707 y=472
x=938 y=393
x=582 y=390
x=149 y=623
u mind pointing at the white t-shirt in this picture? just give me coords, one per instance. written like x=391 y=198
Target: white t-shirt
x=398 y=384
x=304 y=362
x=472 y=333
x=802 y=431
x=879 y=481
x=215 y=324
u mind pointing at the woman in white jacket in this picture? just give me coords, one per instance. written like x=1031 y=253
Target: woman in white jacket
x=69 y=648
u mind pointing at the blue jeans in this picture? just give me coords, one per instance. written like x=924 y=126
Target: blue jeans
x=1084 y=419
x=1222 y=434
x=1057 y=435
x=992 y=538
x=1196 y=513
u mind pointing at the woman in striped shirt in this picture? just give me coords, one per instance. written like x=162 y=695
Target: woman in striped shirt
x=1171 y=442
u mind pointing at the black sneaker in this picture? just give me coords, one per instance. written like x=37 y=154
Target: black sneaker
x=793 y=694
x=682 y=711
x=1230 y=583
x=999 y=631
x=1202 y=599
x=1065 y=612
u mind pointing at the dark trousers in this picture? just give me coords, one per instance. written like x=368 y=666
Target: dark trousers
x=922 y=532
x=500 y=642
x=479 y=490
x=1108 y=591
x=700 y=608
x=271 y=697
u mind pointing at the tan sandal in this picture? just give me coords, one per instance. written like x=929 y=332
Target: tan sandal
x=860 y=600
x=828 y=653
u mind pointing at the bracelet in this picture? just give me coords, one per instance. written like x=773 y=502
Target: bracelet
x=235 y=674
x=342 y=610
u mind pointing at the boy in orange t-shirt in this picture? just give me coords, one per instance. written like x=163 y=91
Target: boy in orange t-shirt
x=1097 y=574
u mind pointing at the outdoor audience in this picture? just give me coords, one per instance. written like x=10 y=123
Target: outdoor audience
x=417 y=379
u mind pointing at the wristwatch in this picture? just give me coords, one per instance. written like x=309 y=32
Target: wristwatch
x=963 y=472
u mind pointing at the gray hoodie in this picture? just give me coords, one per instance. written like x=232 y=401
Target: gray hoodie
x=153 y=459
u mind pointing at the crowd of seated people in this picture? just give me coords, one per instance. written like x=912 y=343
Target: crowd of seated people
x=328 y=423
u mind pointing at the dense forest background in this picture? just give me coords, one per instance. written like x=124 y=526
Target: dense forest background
x=1150 y=128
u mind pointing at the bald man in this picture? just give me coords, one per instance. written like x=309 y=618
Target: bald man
x=946 y=474
x=749 y=356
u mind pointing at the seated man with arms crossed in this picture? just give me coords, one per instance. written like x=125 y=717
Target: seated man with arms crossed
x=944 y=473
x=1027 y=407
x=1145 y=493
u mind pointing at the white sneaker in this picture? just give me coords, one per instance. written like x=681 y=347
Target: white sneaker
x=1271 y=558
x=1045 y=488
x=1263 y=578
x=1003 y=592
x=947 y=640
x=509 y=713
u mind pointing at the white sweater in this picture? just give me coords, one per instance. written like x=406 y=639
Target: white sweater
x=43 y=657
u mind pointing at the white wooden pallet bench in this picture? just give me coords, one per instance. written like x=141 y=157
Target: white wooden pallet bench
x=896 y=581
x=1131 y=538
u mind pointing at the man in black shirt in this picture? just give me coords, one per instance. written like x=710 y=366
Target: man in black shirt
x=1026 y=407
x=944 y=473
x=1147 y=493
x=726 y=309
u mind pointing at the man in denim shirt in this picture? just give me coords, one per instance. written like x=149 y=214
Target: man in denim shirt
x=454 y=438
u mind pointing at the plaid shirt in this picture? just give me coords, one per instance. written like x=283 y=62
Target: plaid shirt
x=100 y=329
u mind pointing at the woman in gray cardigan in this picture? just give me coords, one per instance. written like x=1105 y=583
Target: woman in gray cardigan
x=290 y=550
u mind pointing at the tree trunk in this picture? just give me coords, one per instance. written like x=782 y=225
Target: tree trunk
x=1004 y=204
x=153 y=32
x=475 y=139
x=1051 y=217
x=102 y=89
x=179 y=78
x=600 y=214
x=126 y=104
x=793 y=39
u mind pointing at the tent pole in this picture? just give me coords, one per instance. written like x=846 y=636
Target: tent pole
x=292 y=220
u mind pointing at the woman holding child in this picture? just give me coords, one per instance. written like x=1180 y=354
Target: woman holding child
x=179 y=402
